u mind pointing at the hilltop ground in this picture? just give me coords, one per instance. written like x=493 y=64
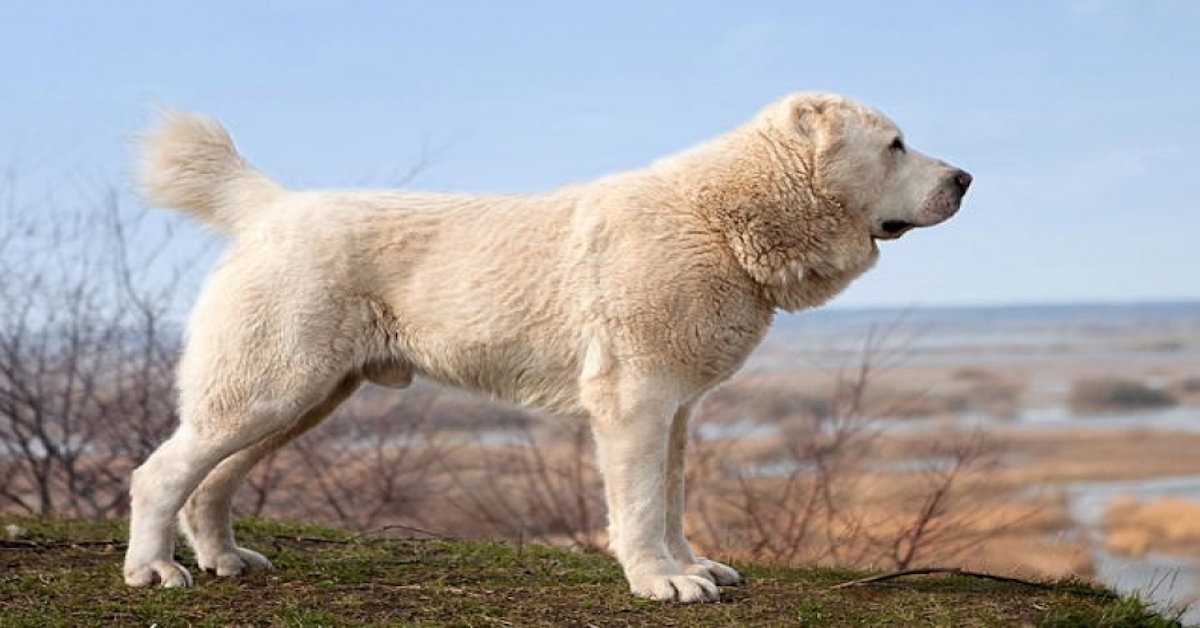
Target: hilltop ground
x=67 y=573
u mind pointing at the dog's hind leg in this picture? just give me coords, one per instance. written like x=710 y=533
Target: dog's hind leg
x=206 y=518
x=221 y=423
x=157 y=490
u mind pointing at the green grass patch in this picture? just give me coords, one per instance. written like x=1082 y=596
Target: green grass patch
x=67 y=573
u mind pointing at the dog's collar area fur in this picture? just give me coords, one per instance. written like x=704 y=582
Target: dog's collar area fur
x=825 y=264
x=799 y=243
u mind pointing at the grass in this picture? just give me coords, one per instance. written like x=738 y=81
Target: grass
x=67 y=573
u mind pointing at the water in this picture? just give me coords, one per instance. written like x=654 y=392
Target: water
x=1088 y=499
x=1168 y=581
x=1176 y=419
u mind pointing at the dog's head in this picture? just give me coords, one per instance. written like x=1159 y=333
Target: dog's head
x=860 y=159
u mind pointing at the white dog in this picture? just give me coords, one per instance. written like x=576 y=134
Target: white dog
x=623 y=300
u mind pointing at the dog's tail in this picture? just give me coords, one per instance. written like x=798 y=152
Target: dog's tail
x=188 y=162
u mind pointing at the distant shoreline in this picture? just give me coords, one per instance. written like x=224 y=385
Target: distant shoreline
x=1024 y=312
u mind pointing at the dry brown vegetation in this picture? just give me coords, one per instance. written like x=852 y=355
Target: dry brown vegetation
x=1187 y=389
x=1114 y=394
x=1168 y=524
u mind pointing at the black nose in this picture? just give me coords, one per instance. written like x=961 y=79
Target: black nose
x=963 y=180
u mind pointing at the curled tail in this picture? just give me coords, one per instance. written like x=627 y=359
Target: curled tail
x=188 y=162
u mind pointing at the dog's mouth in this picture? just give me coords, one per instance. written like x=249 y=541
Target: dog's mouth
x=892 y=229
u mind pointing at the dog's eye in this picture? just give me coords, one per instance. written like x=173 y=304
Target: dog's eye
x=897 y=146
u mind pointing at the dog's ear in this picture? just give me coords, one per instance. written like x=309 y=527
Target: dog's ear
x=811 y=117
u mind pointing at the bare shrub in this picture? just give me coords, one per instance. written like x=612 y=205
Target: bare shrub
x=932 y=511
x=988 y=393
x=762 y=399
x=785 y=510
x=968 y=391
x=888 y=403
x=1110 y=394
x=541 y=486
x=86 y=353
x=830 y=491
x=373 y=464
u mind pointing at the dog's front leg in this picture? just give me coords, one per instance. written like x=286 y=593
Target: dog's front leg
x=676 y=541
x=633 y=451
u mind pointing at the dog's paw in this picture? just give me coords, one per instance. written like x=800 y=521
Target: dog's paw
x=168 y=573
x=674 y=588
x=715 y=572
x=234 y=562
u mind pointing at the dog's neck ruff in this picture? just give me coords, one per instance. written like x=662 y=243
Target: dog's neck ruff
x=832 y=255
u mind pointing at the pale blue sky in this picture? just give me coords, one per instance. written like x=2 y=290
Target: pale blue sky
x=1080 y=119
